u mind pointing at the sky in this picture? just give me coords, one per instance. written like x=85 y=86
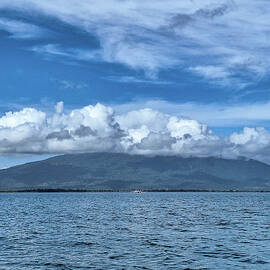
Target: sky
x=172 y=77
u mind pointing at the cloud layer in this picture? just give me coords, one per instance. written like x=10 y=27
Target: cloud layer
x=223 y=41
x=145 y=131
x=212 y=114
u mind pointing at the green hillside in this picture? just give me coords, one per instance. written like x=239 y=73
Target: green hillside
x=125 y=172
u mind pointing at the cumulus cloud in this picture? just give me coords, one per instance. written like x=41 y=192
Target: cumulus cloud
x=224 y=38
x=252 y=142
x=146 y=131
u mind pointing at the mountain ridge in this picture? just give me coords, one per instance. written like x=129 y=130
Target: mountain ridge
x=117 y=171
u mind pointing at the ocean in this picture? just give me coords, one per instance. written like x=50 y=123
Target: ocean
x=185 y=230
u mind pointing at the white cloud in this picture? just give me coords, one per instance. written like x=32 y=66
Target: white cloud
x=253 y=142
x=215 y=115
x=131 y=79
x=27 y=115
x=21 y=30
x=55 y=50
x=220 y=75
x=211 y=72
x=146 y=131
x=71 y=85
x=224 y=38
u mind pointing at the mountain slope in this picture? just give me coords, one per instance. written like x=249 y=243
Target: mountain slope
x=121 y=171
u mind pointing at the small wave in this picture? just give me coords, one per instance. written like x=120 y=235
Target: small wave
x=83 y=244
x=114 y=257
x=249 y=260
x=58 y=265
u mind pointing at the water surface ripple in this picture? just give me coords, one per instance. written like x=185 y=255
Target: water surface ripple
x=134 y=231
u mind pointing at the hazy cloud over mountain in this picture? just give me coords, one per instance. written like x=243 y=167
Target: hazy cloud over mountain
x=145 y=131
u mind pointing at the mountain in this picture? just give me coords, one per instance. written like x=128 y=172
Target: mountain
x=109 y=171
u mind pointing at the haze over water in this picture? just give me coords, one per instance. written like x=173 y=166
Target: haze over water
x=134 y=231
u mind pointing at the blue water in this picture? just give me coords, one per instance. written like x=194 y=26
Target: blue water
x=135 y=231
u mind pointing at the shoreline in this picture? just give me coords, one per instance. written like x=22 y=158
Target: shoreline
x=129 y=191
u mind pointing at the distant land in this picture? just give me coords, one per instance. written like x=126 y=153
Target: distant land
x=114 y=172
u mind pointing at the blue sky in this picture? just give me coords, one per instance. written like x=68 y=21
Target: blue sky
x=203 y=60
